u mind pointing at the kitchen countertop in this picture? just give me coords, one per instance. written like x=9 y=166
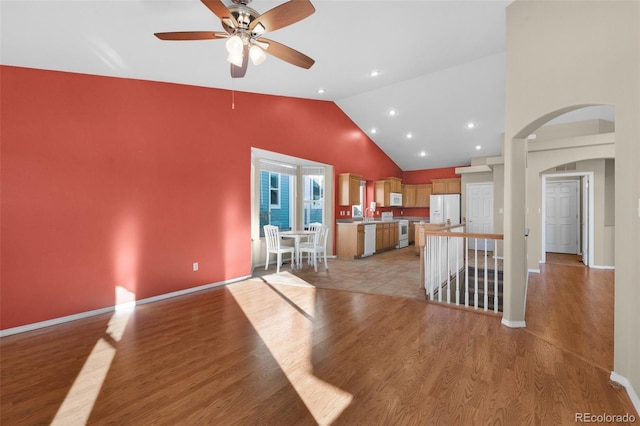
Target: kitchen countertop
x=395 y=219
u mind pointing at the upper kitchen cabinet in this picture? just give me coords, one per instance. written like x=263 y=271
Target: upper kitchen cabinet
x=349 y=189
x=382 y=193
x=423 y=195
x=383 y=190
x=416 y=195
x=409 y=195
x=395 y=184
x=446 y=186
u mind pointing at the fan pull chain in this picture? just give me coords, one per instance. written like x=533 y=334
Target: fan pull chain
x=233 y=95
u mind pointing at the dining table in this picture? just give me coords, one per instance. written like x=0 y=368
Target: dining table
x=297 y=236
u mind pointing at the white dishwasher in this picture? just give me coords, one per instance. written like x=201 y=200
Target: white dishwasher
x=369 y=240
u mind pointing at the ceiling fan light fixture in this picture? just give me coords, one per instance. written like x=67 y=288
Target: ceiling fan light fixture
x=257 y=55
x=235 y=59
x=258 y=29
x=234 y=45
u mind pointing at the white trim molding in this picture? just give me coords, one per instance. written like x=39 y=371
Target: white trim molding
x=513 y=324
x=602 y=267
x=635 y=400
x=81 y=315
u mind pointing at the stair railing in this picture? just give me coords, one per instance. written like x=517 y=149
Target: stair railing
x=455 y=264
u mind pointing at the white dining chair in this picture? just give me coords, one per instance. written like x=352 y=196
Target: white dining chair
x=274 y=245
x=317 y=247
x=313 y=227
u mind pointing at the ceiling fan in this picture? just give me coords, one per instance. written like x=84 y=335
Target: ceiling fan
x=244 y=28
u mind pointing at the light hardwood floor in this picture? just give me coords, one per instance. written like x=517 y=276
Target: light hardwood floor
x=277 y=349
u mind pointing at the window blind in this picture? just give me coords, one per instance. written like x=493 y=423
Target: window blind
x=273 y=166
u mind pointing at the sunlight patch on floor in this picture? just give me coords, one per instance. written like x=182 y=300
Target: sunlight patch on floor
x=291 y=346
x=78 y=404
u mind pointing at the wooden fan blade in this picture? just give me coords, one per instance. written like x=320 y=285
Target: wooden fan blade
x=286 y=14
x=239 y=72
x=220 y=10
x=192 y=35
x=288 y=54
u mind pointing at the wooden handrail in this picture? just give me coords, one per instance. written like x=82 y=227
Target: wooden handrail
x=465 y=234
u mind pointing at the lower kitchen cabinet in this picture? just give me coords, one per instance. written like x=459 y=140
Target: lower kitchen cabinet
x=350 y=238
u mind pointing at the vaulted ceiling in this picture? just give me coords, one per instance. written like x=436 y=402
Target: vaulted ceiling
x=440 y=64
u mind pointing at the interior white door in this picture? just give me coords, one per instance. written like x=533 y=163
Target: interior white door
x=480 y=212
x=561 y=217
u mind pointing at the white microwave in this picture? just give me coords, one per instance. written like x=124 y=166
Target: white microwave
x=395 y=199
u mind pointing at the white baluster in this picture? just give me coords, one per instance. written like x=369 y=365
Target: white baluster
x=466 y=274
x=458 y=240
x=495 y=277
x=475 y=251
x=486 y=277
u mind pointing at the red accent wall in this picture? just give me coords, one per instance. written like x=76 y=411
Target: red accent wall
x=113 y=182
x=415 y=177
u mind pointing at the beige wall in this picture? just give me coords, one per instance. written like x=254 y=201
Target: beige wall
x=539 y=164
x=562 y=55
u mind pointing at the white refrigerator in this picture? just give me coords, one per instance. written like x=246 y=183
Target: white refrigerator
x=443 y=207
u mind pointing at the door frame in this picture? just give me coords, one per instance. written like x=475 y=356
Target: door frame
x=588 y=198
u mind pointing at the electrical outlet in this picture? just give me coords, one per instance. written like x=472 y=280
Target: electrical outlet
x=195 y=266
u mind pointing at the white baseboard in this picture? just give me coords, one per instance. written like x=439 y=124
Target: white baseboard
x=81 y=315
x=635 y=400
x=513 y=324
x=602 y=267
x=534 y=271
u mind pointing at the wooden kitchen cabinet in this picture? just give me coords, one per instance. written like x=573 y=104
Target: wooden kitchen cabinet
x=379 y=237
x=386 y=236
x=395 y=184
x=383 y=189
x=423 y=195
x=348 y=189
x=409 y=195
x=350 y=241
x=412 y=232
x=394 y=235
x=350 y=238
x=446 y=186
x=382 y=193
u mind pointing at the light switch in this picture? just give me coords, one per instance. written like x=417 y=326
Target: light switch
x=195 y=266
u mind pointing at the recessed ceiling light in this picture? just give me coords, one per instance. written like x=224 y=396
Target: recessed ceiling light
x=478 y=147
x=320 y=90
x=392 y=112
x=409 y=135
x=423 y=154
x=374 y=73
x=374 y=130
x=470 y=125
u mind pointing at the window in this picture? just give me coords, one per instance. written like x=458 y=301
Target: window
x=274 y=190
x=357 y=210
x=276 y=199
x=313 y=196
x=289 y=192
